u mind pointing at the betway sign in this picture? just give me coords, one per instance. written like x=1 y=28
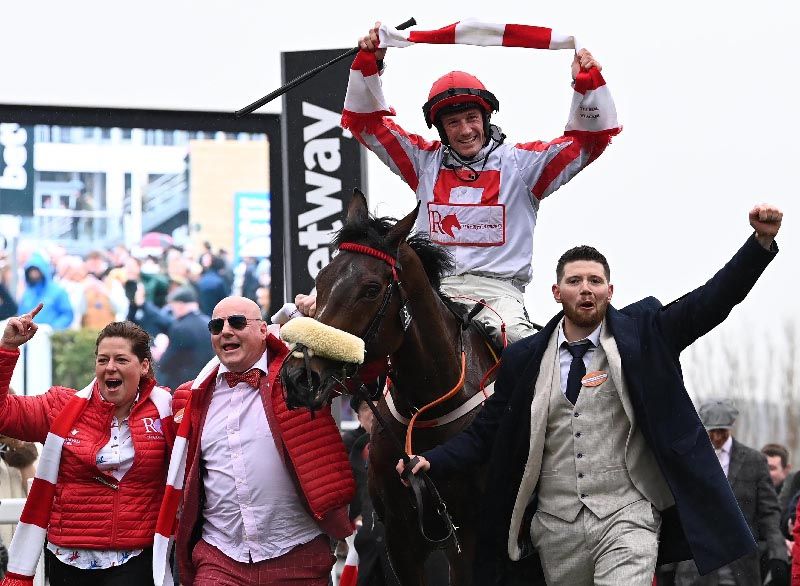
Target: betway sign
x=322 y=165
x=16 y=169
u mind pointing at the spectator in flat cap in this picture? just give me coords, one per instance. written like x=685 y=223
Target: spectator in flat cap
x=749 y=477
x=189 y=347
x=718 y=414
x=183 y=294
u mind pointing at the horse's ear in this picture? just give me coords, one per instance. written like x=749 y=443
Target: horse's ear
x=402 y=228
x=357 y=210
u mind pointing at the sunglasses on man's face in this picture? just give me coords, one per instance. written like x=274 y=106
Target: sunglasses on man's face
x=237 y=322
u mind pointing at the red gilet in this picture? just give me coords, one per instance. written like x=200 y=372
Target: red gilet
x=88 y=513
x=312 y=450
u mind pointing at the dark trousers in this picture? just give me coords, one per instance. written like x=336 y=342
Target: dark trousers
x=137 y=571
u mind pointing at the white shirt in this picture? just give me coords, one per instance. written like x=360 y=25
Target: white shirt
x=724 y=454
x=565 y=358
x=116 y=457
x=252 y=509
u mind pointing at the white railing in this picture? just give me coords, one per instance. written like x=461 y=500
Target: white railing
x=33 y=374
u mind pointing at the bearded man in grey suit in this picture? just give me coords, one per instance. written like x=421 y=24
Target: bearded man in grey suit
x=591 y=433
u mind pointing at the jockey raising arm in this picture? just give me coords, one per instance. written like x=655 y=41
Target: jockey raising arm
x=480 y=195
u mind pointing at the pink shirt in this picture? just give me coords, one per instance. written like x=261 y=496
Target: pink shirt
x=252 y=509
x=724 y=455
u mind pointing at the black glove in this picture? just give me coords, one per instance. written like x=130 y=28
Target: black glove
x=779 y=570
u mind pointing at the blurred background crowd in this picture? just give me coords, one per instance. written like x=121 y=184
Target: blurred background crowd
x=170 y=291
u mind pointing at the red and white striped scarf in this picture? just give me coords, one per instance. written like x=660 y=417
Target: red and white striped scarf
x=322 y=498
x=592 y=108
x=28 y=541
x=167 y=522
x=349 y=575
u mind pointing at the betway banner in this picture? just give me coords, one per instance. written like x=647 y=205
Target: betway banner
x=322 y=164
x=16 y=169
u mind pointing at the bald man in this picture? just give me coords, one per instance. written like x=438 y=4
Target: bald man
x=248 y=517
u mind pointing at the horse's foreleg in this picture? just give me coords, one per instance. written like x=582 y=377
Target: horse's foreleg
x=407 y=559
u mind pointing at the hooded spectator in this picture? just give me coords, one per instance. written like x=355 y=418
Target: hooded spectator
x=40 y=288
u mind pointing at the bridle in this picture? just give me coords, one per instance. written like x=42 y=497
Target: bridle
x=405 y=313
x=421 y=485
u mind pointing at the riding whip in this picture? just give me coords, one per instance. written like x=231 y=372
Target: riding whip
x=307 y=75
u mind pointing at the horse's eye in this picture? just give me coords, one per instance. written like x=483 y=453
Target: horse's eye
x=372 y=291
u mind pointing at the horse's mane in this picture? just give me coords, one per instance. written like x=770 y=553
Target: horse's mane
x=371 y=231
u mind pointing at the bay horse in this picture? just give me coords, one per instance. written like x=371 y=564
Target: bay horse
x=379 y=280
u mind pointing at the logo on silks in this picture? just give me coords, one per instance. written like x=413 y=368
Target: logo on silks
x=454 y=224
x=444 y=225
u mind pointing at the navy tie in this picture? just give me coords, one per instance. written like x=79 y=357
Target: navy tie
x=577 y=369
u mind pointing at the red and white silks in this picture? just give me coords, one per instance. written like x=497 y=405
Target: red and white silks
x=592 y=107
x=28 y=541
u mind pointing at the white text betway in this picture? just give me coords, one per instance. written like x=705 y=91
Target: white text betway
x=323 y=192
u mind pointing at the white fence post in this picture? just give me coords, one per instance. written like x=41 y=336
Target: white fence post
x=33 y=374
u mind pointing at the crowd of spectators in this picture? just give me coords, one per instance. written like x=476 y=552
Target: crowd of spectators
x=169 y=292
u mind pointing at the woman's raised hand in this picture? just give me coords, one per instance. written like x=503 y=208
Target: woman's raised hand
x=20 y=329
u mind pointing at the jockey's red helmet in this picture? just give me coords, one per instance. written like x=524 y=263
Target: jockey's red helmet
x=457 y=91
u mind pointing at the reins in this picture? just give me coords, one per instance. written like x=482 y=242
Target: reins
x=420 y=483
x=451 y=393
x=406 y=315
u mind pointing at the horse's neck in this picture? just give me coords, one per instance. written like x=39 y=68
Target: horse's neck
x=428 y=363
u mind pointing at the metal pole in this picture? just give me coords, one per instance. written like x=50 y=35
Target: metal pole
x=305 y=76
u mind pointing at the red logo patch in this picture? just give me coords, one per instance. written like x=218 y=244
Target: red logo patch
x=449 y=223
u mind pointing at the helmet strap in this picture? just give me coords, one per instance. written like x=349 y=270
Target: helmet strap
x=459 y=163
x=487 y=128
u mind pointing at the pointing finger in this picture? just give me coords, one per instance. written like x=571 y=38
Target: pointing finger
x=36 y=310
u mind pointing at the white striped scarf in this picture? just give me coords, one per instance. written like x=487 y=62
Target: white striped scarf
x=168 y=514
x=28 y=541
x=592 y=107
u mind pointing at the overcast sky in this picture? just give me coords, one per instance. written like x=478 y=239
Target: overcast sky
x=706 y=92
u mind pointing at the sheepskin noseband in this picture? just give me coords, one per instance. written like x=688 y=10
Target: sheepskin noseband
x=325 y=341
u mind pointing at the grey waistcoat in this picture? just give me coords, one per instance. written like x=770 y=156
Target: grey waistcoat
x=584 y=451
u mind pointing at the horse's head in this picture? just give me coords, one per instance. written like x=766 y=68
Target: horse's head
x=364 y=291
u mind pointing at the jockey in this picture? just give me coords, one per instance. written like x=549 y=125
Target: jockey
x=480 y=195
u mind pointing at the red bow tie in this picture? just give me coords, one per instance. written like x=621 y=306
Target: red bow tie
x=252 y=377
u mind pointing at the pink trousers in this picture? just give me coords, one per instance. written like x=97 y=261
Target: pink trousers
x=309 y=564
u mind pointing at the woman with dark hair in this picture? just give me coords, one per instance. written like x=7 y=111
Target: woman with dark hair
x=102 y=471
